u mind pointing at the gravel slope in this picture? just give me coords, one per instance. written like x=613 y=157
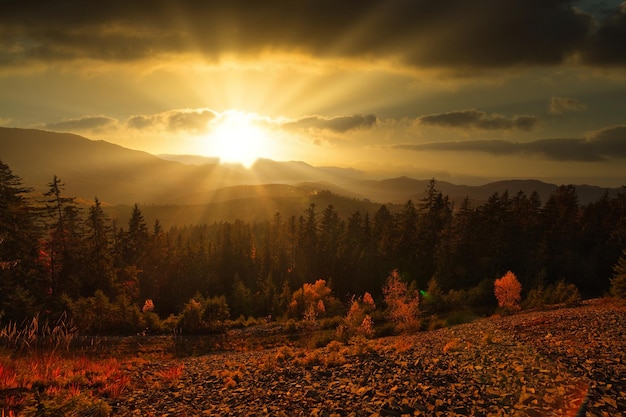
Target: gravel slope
x=562 y=362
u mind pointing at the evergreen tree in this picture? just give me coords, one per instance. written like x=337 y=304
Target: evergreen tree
x=64 y=240
x=136 y=238
x=618 y=282
x=21 y=283
x=100 y=267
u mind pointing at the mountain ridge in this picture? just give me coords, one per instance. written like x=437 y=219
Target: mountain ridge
x=122 y=176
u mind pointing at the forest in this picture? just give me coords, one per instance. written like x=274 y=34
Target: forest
x=125 y=278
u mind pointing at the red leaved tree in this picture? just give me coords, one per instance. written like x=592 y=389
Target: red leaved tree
x=508 y=291
x=402 y=303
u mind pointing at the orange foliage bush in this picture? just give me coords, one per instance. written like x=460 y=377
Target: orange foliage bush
x=402 y=304
x=508 y=291
x=311 y=299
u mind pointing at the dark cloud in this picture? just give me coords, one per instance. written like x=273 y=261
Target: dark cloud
x=443 y=33
x=336 y=124
x=562 y=105
x=606 y=45
x=609 y=143
x=480 y=120
x=82 y=123
x=195 y=121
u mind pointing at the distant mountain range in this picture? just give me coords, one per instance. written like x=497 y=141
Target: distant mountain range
x=121 y=176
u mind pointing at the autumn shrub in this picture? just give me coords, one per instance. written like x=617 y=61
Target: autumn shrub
x=358 y=320
x=312 y=299
x=508 y=291
x=402 y=303
x=241 y=322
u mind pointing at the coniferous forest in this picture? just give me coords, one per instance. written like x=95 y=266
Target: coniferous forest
x=57 y=257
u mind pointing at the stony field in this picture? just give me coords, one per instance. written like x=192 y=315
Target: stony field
x=559 y=362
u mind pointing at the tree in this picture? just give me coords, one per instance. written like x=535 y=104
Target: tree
x=21 y=283
x=618 y=282
x=101 y=274
x=64 y=241
x=508 y=291
x=135 y=241
x=311 y=297
x=402 y=303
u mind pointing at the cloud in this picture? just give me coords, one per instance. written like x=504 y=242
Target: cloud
x=562 y=105
x=605 y=46
x=338 y=124
x=420 y=33
x=610 y=141
x=83 y=124
x=601 y=145
x=480 y=120
x=189 y=120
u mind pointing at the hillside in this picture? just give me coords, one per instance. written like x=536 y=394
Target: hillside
x=174 y=184
x=546 y=363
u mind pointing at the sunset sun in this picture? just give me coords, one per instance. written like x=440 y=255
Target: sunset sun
x=238 y=137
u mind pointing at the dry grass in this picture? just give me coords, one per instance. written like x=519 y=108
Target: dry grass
x=59 y=384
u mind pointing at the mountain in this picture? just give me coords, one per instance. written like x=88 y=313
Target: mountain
x=121 y=176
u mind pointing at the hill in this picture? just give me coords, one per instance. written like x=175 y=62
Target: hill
x=546 y=363
x=176 y=184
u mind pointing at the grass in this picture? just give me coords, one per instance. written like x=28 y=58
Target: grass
x=47 y=369
x=44 y=370
x=52 y=384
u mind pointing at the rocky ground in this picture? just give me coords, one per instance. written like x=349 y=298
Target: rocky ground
x=561 y=362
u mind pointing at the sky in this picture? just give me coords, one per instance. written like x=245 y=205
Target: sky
x=462 y=91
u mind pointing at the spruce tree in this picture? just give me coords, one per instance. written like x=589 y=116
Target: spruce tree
x=618 y=282
x=21 y=284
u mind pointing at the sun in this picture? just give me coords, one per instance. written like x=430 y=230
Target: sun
x=239 y=137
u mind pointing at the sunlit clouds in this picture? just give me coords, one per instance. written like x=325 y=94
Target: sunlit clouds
x=488 y=88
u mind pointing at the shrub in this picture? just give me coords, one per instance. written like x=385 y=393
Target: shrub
x=508 y=291
x=402 y=303
x=433 y=298
x=215 y=312
x=202 y=315
x=567 y=294
x=191 y=317
x=98 y=315
x=358 y=320
x=559 y=293
x=311 y=299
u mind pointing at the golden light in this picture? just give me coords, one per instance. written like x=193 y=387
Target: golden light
x=239 y=137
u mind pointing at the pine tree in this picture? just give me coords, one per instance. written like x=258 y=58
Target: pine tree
x=63 y=243
x=99 y=258
x=22 y=285
x=618 y=282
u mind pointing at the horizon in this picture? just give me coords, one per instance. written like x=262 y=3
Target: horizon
x=473 y=94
